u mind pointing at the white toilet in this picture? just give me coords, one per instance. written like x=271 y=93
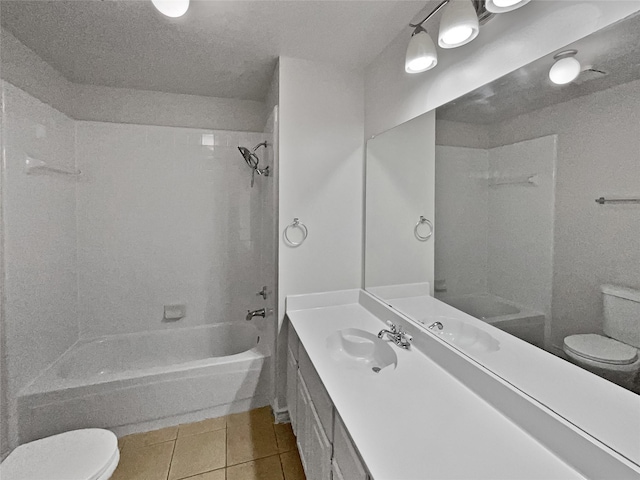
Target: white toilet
x=614 y=356
x=89 y=454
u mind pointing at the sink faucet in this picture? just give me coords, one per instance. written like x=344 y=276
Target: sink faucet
x=396 y=335
x=261 y=312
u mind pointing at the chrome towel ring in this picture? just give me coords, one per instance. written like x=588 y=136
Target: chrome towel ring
x=300 y=226
x=423 y=221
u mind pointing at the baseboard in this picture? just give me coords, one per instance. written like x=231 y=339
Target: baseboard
x=280 y=414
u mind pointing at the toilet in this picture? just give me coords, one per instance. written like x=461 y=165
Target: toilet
x=614 y=356
x=88 y=454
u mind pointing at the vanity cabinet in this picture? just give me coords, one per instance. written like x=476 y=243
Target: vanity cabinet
x=346 y=458
x=325 y=447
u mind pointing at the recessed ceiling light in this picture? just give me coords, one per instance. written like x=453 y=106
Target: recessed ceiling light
x=171 y=8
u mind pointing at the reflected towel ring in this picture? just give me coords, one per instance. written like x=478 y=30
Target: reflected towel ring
x=423 y=221
x=296 y=224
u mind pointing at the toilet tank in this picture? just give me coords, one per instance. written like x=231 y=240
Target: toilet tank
x=622 y=314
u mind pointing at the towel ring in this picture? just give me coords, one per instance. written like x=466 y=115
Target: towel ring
x=423 y=221
x=300 y=226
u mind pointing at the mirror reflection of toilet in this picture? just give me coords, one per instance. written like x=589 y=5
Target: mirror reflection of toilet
x=613 y=355
x=88 y=454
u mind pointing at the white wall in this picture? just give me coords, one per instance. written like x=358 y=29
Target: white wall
x=26 y=70
x=598 y=155
x=321 y=179
x=163 y=219
x=497 y=239
x=520 y=224
x=506 y=43
x=461 y=234
x=4 y=371
x=40 y=239
x=400 y=188
x=122 y=105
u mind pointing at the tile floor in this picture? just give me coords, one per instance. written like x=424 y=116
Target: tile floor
x=242 y=446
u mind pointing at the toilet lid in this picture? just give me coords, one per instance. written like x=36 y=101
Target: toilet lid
x=76 y=455
x=601 y=349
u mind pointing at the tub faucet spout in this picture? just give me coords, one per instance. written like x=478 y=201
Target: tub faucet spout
x=261 y=312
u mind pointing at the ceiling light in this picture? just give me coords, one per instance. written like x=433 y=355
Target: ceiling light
x=502 y=6
x=171 y=8
x=459 y=24
x=421 y=52
x=566 y=69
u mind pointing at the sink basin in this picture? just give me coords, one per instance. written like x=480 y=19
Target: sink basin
x=467 y=338
x=355 y=348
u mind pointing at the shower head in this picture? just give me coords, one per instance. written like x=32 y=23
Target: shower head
x=252 y=161
x=249 y=157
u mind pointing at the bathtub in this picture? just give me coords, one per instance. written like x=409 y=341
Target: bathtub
x=140 y=381
x=515 y=319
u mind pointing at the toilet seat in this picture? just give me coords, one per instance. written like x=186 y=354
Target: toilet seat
x=601 y=349
x=89 y=454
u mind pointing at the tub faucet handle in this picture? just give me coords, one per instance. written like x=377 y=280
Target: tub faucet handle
x=262 y=293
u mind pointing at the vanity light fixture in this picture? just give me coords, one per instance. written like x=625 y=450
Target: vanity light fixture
x=421 y=52
x=566 y=69
x=171 y=8
x=502 y=6
x=459 y=25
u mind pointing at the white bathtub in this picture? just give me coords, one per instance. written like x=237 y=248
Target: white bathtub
x=503 y=314
x=138 y=381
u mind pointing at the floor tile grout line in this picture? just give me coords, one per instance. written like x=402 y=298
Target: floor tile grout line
x=173 y=451
x=284 y=475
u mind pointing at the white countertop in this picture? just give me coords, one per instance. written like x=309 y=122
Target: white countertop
x=602 y=409
x=418 y=421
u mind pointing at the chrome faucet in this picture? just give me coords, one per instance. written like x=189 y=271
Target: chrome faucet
x=261 y=312
x=396 y=335
x=436 y=324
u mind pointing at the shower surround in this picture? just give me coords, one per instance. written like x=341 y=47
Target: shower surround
x=160 y=215
x=164 y=219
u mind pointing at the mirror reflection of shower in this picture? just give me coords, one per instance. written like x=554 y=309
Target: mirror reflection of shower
x=253 y=161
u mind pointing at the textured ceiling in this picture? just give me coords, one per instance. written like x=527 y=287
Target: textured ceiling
x=219 y=48
x=614 y=50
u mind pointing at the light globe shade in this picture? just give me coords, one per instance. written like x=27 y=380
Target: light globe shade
x=171 y=8
x=421 y=53
x=502 y=6
x=458 y=25
x=565 y=70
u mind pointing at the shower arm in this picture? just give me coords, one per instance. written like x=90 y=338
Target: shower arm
x=263 y=144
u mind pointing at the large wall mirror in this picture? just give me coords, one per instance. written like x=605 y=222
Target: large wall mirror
x=537 y=209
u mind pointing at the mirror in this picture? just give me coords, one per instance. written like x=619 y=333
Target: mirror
x=400 y=206
x=537 y=214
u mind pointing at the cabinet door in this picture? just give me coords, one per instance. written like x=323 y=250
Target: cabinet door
x=336 y=473
x=292 y=389
x=345 y=454
x=303 y=409
x=319 y=449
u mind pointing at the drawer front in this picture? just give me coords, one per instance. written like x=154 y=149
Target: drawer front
x=345 y=455
x=318 y=393
x=292 y=340
x=292 y=388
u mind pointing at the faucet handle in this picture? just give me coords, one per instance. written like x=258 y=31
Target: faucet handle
x=393 y=328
